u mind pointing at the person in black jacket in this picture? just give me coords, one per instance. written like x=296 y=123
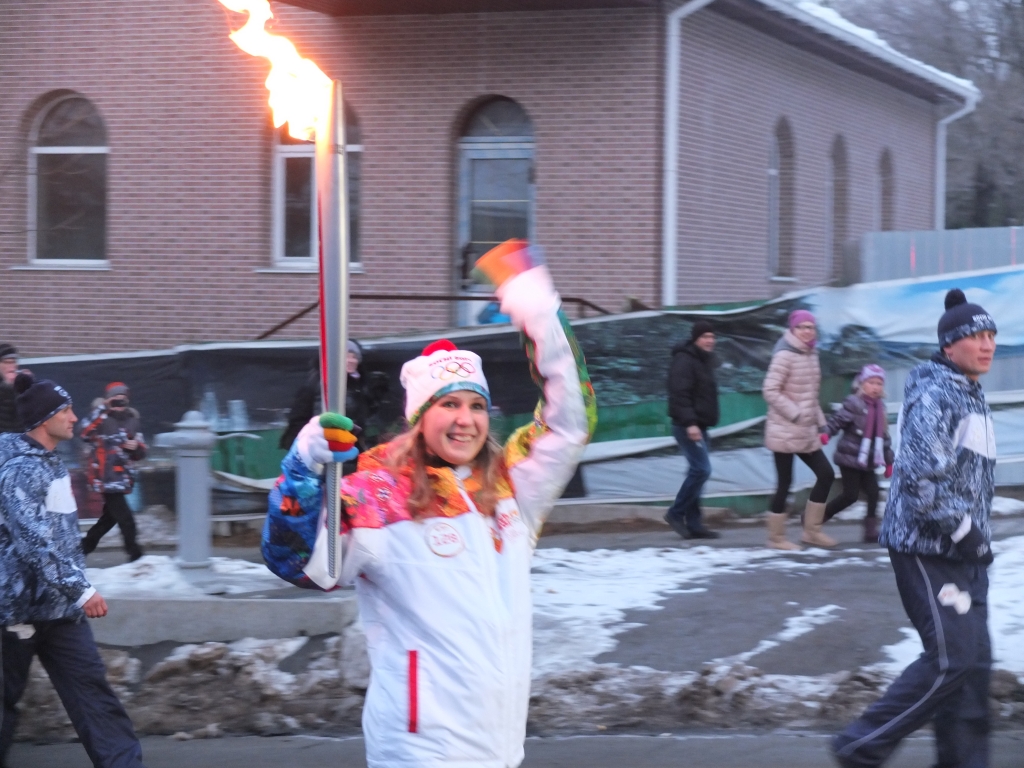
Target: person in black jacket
x=363 y=393
x=693 y=406
x=9 y=421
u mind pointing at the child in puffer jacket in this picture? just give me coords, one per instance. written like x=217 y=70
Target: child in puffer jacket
x=864 y=447
x=438 y=532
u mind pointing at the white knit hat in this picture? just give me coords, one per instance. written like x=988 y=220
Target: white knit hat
x=442 y=368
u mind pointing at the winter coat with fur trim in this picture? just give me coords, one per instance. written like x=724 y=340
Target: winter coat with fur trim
x=795 y=421
x=851 y=419
x=41 y=562
x=945 y=465
x=444 y=594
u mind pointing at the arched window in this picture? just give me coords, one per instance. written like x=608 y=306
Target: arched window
x=295 y=225
x=782 y=202
x=886 y=193
x=68 y=183
x=838 y=208
x=495 y=193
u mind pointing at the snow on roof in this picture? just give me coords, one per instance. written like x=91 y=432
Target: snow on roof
x=829 y=22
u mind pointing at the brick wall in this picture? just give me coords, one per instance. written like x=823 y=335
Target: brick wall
x=736 y=84
x=189 y=170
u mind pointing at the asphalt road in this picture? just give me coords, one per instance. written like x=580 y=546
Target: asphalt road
x=715 y=750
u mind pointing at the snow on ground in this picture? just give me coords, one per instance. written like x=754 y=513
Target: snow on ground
x=794 y=627
x=580 y=598
x=159 y=575
x=1005 y=614
x=1001 y=505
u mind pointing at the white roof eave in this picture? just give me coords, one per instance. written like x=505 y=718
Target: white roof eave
x=828 y=22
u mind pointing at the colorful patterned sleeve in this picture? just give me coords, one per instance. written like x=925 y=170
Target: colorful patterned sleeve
x=293 y=517
x=543 y=455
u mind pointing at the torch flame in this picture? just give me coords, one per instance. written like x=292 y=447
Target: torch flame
x=300 y=92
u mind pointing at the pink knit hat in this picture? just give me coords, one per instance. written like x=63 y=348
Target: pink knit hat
x=798 y=316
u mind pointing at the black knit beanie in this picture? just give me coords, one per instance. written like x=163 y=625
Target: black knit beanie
x=700 y=328
x=962 y=319
x=7 y=350
x=38 y=400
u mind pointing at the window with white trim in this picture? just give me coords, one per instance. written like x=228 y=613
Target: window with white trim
x=295 y=225
x=68 y=183
x=782 y=203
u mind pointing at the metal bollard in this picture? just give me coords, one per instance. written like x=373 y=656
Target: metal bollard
x=191 y=442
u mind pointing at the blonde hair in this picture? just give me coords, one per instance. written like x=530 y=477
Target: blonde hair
x=409 y=449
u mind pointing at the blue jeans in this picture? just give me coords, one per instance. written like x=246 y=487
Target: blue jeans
x=686 y=507
x=68 y=653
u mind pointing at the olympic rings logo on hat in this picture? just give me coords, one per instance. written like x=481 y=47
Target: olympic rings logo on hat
x=451 y=370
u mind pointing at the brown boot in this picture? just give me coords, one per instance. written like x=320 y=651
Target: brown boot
x=870 y=530
x=777 y=532
x=814 y=514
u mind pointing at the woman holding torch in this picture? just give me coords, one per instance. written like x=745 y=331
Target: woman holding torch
x=438 y=530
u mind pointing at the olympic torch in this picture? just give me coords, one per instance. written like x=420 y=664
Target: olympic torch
x=332 y=201
x=302 y=96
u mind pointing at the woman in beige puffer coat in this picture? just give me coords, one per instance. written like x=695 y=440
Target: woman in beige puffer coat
x=796 y=426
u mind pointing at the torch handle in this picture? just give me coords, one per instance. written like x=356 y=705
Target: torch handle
x=332 y=196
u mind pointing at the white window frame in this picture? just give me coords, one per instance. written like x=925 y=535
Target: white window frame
x=34 y=262
x=282 y=263
x=774 y=209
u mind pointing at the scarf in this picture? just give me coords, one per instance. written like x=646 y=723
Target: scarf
x=875 y=425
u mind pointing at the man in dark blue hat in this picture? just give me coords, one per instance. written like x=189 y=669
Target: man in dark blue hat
x=45 y=596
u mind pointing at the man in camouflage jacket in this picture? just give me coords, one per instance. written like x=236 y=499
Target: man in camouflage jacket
x=45 y=595
x=936 y=528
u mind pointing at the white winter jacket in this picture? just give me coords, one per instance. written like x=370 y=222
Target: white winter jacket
x=445 y=598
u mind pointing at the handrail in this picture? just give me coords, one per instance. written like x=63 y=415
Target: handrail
x=580 y=303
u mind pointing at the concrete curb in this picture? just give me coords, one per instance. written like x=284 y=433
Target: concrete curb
x=135 y=621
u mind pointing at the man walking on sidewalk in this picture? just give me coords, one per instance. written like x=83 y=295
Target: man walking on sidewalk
x=693 y=406
x=45 y=596
x=115 y=442
x=936 y=527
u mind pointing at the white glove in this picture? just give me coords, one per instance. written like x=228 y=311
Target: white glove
x=312 y=446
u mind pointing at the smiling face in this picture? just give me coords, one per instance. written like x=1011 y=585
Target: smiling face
x=806 y=332
x=455 y=428
x=973 y=354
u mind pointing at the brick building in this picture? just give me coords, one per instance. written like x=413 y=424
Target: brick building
x=674 y=153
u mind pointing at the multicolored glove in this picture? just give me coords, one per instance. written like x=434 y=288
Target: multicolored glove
x=507 y=260
x=341 y=435
x=327 y=438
